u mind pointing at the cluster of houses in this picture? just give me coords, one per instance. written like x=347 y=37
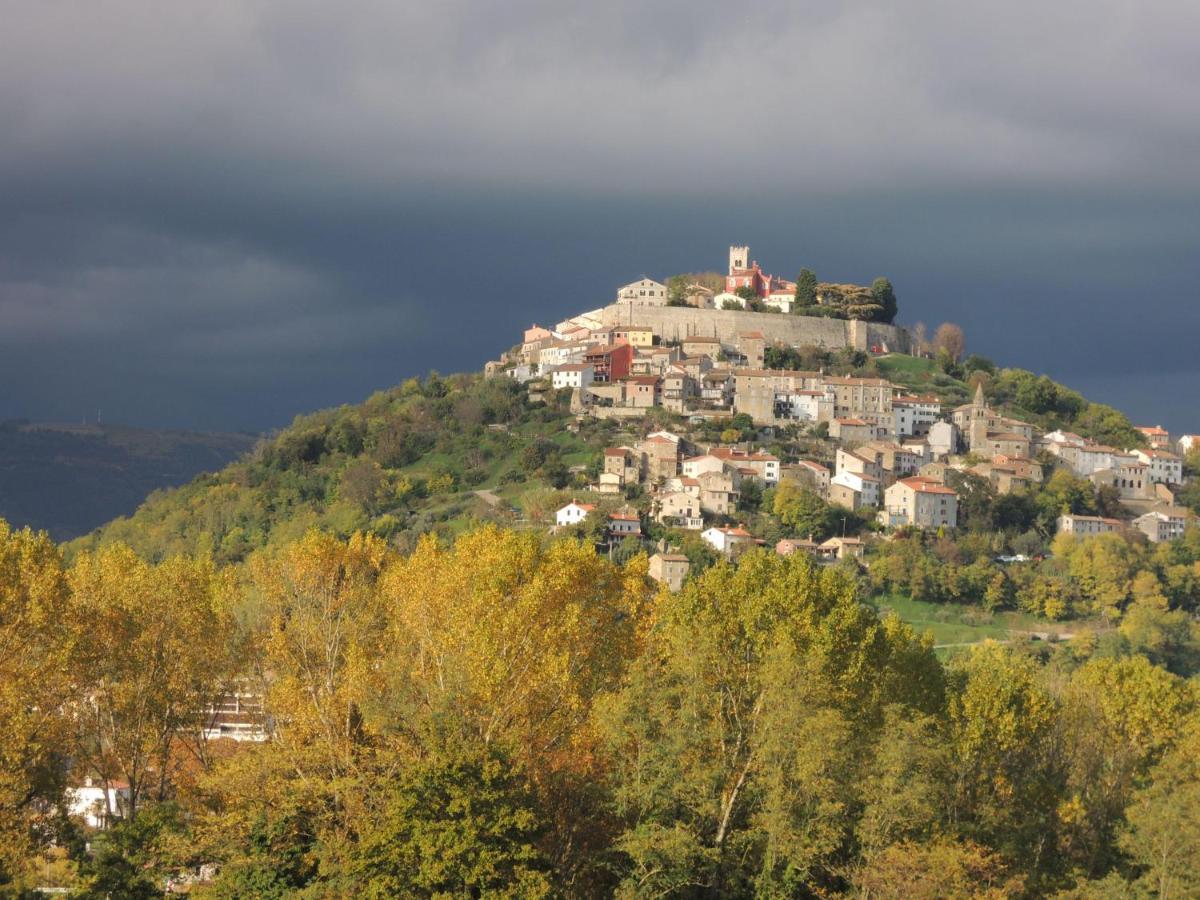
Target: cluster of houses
x=890 y=450
x=619 y=369
x=895 y=466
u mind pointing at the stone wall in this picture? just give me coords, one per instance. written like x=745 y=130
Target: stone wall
x=679 y=322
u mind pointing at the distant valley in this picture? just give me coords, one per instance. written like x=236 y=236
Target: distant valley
x=69 y=479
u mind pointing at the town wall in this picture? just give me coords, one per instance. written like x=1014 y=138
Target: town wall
x=678 y=322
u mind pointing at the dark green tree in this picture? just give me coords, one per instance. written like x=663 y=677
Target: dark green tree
x=885 y=296
x=806 y=289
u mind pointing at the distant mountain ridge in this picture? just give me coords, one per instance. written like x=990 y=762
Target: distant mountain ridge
x=68 y=479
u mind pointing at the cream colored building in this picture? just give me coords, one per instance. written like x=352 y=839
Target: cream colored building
x=640 y=336
x=852 y=431
x=699 y=345
x=644 y=292
x=921 y=502
x=810 y=474
x=1164 y=524
x=625 y=462
x=1083 y=526
x=670 y=569
x=679 y=508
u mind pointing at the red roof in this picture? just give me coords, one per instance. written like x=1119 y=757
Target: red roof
x=808 y=463
x=925 y=485
x=734 y=532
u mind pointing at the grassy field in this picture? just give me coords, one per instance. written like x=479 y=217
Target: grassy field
x=953 y=625
x=901 y=363
x=921 y=375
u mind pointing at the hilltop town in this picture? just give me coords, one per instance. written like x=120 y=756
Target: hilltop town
x=818 y=474
x=724 y=363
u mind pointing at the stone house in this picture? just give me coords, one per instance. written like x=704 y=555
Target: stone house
x=670 y=569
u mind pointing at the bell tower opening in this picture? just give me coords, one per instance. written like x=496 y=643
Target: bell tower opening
x=739 y=258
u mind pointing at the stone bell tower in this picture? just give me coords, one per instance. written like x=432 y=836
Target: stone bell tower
x=739 y=258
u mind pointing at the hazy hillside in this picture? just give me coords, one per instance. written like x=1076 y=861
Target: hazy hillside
x=69 y=479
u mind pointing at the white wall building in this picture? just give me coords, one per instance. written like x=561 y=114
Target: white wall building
x=573 y=375
x=866 y=486
x=724 y=297
x=781 y=300
x=1165 y=467
x=573 y=513
x=92 y=800
x=804 y=406
x=915 y=415
x=728 y=541
x=943 y=439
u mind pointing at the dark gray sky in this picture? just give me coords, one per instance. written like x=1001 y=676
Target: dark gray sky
x=219 y=215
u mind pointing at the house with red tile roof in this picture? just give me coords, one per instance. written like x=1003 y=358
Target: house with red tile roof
x=920 y=501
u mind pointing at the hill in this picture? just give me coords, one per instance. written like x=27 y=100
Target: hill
x=427 y=455
x=448 y=452
x=70 y=479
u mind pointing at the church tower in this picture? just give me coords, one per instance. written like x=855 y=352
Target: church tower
x=739 y=258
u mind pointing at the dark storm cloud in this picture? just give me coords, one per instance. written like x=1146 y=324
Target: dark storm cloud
x=223 y=213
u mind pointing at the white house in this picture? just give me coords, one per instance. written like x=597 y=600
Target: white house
x=727 y=541
x=804 y=406
x=781 y=300
x=560 y=353
x=943 y=439
x=92 y=799
x=854 y=489
x=695 y=466
x=574 y=375
x=725 y=297
x=573 y=513
x=623 y=523
x=915 y=415
x=1165 y=467
x=765 y=465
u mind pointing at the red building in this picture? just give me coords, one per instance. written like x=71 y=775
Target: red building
x=610 y=363
x=745 y=272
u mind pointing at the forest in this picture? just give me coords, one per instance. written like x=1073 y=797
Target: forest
x=761 y=733
x=456 y=703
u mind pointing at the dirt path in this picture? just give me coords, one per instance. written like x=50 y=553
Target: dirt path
x=489 y=497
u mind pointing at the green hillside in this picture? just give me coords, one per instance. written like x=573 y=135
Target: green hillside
x=426 y=455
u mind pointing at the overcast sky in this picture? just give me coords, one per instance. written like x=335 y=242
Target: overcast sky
x=222 y=214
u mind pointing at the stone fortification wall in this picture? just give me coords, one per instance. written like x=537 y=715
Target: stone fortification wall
x=679 y=322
